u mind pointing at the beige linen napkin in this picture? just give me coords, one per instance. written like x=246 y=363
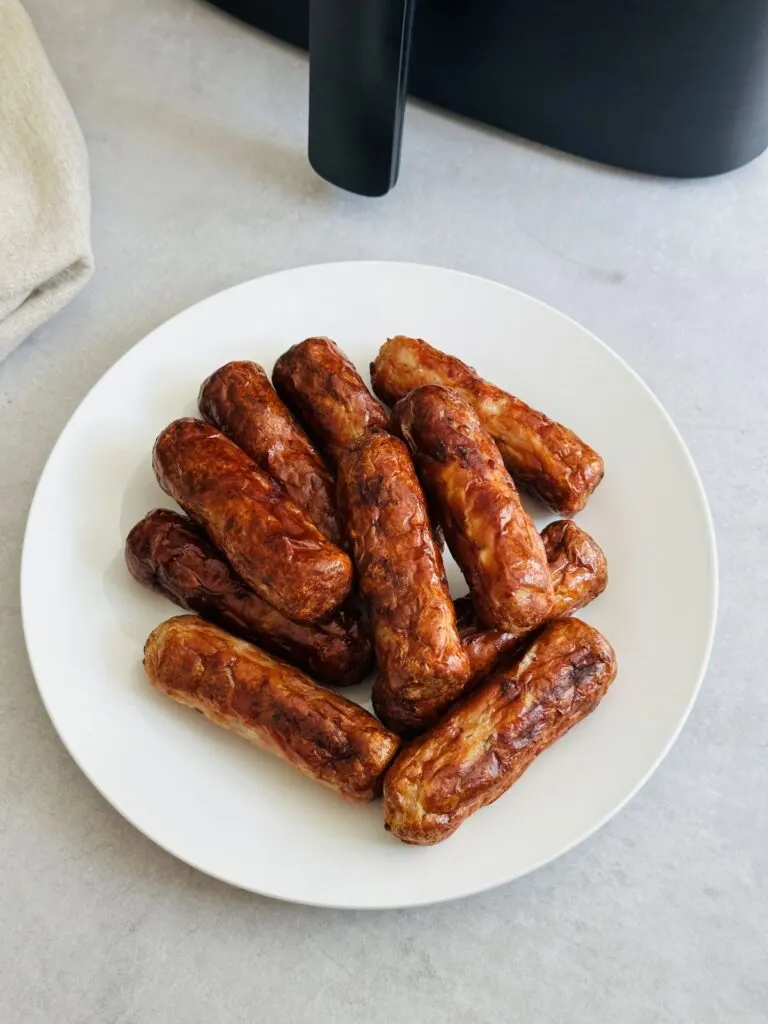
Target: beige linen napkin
x=45 y=249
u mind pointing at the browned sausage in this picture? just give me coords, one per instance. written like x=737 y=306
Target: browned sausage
x=421 y=661
x=321 y=385
x=240 y=400
x=172 y=556
x=579 y=575
x=544 y=457
x=489 y=532
x=270 y=703
x=487 y=741
x=578 y=565
x=266 y=538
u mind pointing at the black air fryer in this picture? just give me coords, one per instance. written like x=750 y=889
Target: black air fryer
x=670 y=87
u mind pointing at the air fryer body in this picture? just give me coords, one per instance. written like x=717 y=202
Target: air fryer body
x=676 y=89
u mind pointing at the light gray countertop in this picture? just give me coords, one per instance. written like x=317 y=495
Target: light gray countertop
x=196 y=129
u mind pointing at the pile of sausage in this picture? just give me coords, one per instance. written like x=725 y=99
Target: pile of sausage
x=310 y=550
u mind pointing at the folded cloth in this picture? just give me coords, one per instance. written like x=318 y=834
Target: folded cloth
x=45 y=249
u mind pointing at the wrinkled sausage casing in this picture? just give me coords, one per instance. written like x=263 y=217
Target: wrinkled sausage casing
x=266 y=538
x=172 y=556
x=422 y=665
x=579 y=574
x=239 y=399
x=544 y=457
x=489 y=532
x=485 y=743
x=270 y=703
x=578 y=566
x=317 y=381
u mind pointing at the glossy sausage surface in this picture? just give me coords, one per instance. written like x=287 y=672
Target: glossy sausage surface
x=172 y=556
x=579 y=574
x=544 y=457
x=422 y=665
x=268 y=540
x=482 y=746
x=578 y=566
x=271 y=704
x=489 y=532
x=317 y=381
x=239 y=399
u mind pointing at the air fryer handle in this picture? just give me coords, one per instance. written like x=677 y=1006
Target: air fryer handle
x=358 y=75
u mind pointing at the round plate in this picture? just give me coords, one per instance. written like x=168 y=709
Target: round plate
x=243 y=816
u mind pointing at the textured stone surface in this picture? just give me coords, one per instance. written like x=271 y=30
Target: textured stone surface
x=196 y=130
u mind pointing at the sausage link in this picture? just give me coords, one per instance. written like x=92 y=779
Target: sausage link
x=172 y=556
x=239 y=399
x=544 y=457
x=488 y=740
x=486 y=527
x=317 y=381
x=579 y=574
x=271 y=704
x=266 y=538
x=422 y=665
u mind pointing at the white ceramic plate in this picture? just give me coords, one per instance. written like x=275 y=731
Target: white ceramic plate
x=240 y=815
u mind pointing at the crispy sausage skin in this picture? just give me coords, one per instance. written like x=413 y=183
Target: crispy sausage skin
x=579 y=574
x=172 y=556
x=422 y=665
x=544 y=457
x=317 y=381
x=266 y=538
x=271 y=704
x=578 y=566
x=239 y=399
x=486 y=527
x=485 y=743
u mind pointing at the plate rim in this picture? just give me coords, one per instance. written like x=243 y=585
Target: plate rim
x=474 y=889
